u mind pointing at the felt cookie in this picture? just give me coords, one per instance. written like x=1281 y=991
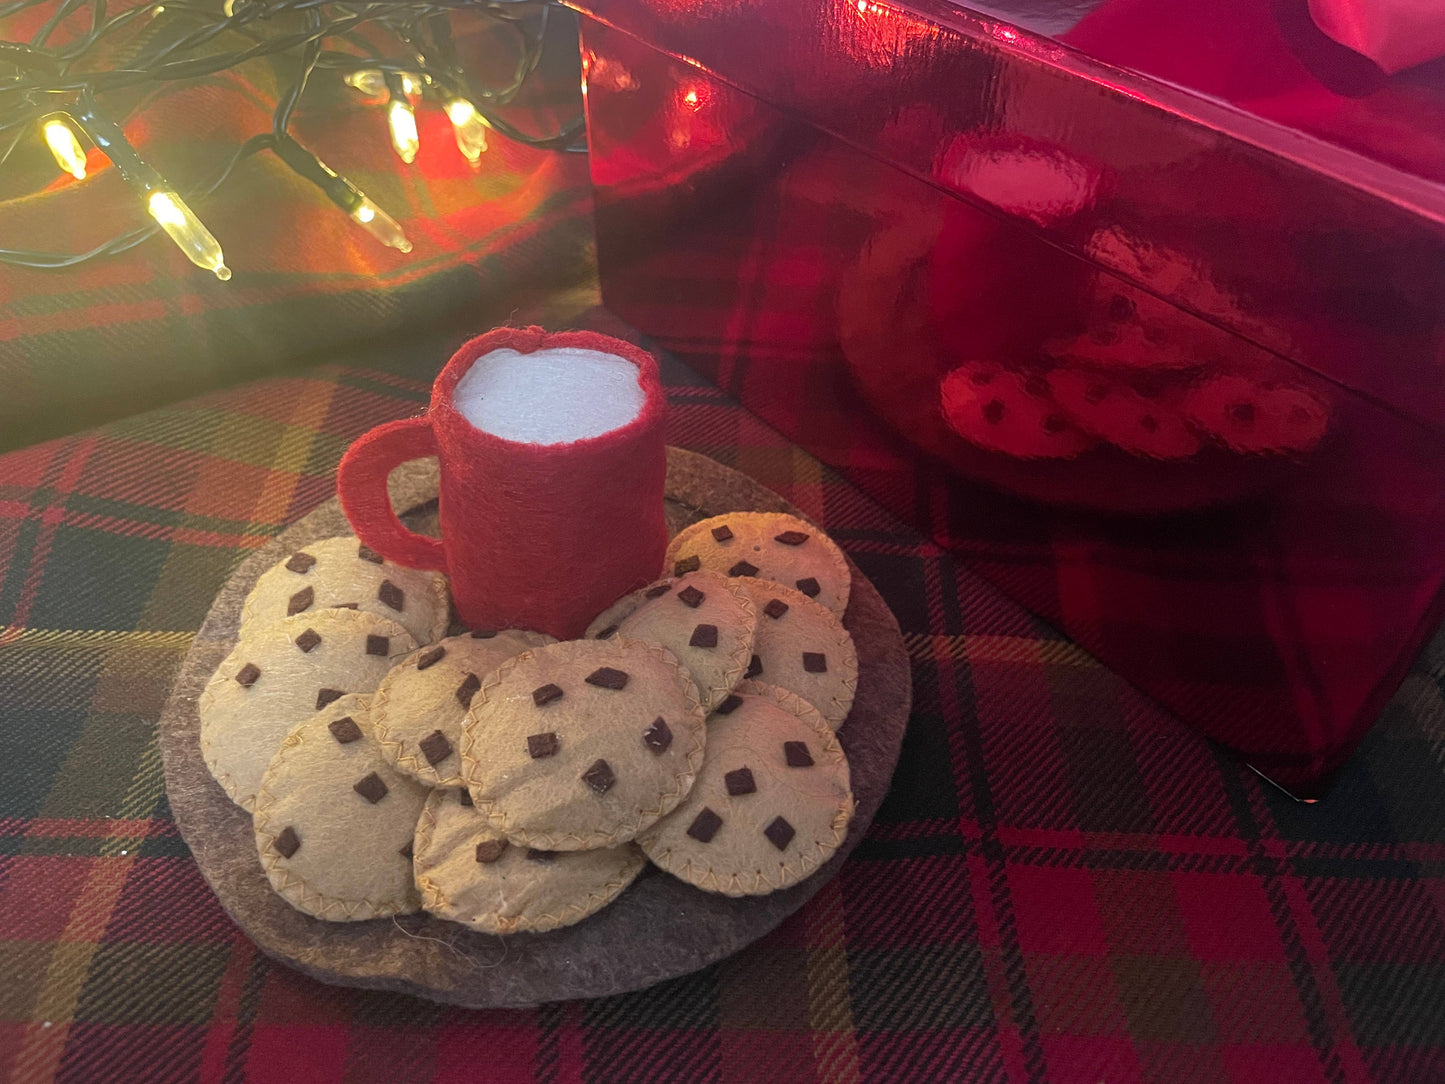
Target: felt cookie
x=343 y=572
x=469 y=874
x=771 y=804
x=703 y=618
x=335 y=822
x=1256 y=418
x=582 y=744
x=419 y=708
x=1127 y=329
x=803 y=647
x=1152 y=426
x=769 y=546
x=281 y=674
x=1003 y=411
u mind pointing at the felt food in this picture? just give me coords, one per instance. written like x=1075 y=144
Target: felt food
x=419 y=708
x=768 y=546
x=1002 y=411
x=1255 y=418
x=469 y=874
x=334 y=821
x=771 y=804
x=1127 y=329
x=341 y=572
x=804 y=648
x=281 y=674
x=1150 y=426
x=582 y=744
x=703 y=618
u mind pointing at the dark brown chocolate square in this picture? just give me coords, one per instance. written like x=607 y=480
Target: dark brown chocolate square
x=287 y=842
x=729 y=705
x=775 y=608
x=543 y=695
x=755 y=667
x=248 y=674
x=691 y=596
x=600 y=777
x=371 y=788
x=723 y=533
x=484 y=634
x=301 y=562
x=704 y=826
x=344 y=730
x=608 y=677
x=392 y=595
x=815 y=662
x=742 y=568
x=542 y=745
x=307 y=640
x=658 y=591
x=607 y=633
x=464 y=796
x=300 y=601
x=780 y=833
x=704 y=636
x=326 y=696
x=797 y=755
x=378 y=645
x=431 y=657
x=658 y=736
x=808 y=586
x=436 y=747
x=686 y=565
x=740 y=781
x=791 y=538
x=490 y=850
x=366 y=553
x=409 y=851
x=468 y=689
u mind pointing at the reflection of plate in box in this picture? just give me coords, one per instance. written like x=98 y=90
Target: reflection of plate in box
x=658 y=929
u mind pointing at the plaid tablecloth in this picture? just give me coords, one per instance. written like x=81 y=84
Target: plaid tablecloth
x=1063 y=885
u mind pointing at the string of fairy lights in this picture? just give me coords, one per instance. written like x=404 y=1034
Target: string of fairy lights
x=395 y=52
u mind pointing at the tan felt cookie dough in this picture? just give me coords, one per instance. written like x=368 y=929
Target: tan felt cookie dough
x=335 y=822
x=419 y=708
x=343 y=572
x=703 y=618
x=771 y=804
x=582 y=744
x=803 y=647
x=281 y=674
x=769 y=546
x=469 y=874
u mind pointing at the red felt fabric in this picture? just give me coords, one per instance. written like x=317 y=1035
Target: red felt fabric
x=534 y=536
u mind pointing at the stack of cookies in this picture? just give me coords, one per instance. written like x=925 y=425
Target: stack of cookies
x=510 y=782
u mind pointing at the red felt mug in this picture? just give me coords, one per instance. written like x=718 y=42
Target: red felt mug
x=534 y=535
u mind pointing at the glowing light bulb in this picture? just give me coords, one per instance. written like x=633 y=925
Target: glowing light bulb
x=367 y=81
x=469 y=128
x=410 y=84
x=401 y=118
x=187 y=231
x=65 y=147
x=380 y=225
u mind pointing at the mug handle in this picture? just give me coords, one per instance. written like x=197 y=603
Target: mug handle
x=361 y=485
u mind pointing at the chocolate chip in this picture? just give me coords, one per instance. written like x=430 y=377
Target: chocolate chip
x=431 y=657
x=371 y=788
x=742 y=568
x=300 y=601
x=1054 y=424
x=436 y=747
x=468 y=689
x=993 y=411
x=307 y=640
x=686 y=565
x=658 y=736
x=543 y=695
x=1121 y=308
x=409 y=851
x=287 y=842
x=808 y=586
x=484 y=634
x=704 y=826
x=755 y=667
x=740 y=782
x=326 y=696
x=599 y=777
x=607 y=677
x=378 y=645
x=464 y=796
x=729 y=705
x=658 y=591
x=489 y=850
x=247 y=675
x=723 y=533
x=704 y=636
x=815 y=662
x=792 y=538
x=775 y=608
x=797 y=755
x=691 y=596
x=607 y=633
x=366 y=553
x=534 y=855
x=301 y=562
x=1243 y=413
x=1149 y=423
x=542 y=745
x=344 y=730
x=392 y=595
x=780 y=833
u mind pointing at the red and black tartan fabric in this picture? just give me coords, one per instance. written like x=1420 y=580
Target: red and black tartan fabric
x=1064 y=884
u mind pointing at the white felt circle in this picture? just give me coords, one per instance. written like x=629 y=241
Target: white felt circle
x=552 y=396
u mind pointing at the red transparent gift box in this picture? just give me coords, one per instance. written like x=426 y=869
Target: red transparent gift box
x=1143 y=316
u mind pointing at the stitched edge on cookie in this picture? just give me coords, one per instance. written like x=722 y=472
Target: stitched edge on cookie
x=835 y=552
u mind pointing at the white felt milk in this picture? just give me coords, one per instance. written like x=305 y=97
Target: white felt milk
x=550 y=396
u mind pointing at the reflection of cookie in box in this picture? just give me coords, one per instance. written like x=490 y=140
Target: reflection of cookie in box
x=1112 y=410
x=1003 y=411
x=1258 y=418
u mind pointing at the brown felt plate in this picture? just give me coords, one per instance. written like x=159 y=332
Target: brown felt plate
x=658 y=929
